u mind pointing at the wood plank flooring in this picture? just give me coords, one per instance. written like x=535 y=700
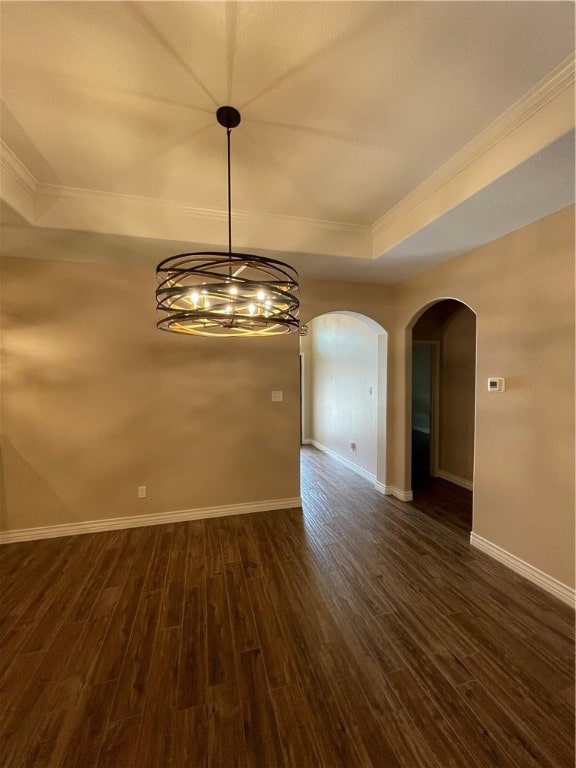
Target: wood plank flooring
x=358 y=632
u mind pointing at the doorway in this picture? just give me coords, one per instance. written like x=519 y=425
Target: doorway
x=443 y=410
x=344 y=390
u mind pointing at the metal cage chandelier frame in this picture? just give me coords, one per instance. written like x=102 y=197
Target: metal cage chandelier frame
x=218 y=293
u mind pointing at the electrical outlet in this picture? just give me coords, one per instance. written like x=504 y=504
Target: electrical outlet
x=141 y=491
x=496 y=384
x=276 y=396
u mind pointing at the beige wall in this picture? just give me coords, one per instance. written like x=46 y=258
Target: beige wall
x=343 y=356
x=457 y=391
x=372 y=301
x=96 y=401
x=522 y=290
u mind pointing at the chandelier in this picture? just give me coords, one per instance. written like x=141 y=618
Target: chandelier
x=218 y=293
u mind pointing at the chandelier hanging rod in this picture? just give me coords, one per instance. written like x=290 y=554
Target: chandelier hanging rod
x=229 y=117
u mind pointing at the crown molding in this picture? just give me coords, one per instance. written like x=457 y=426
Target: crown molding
x=542 y=115
x=17 y=184
x=57 y=207
x=79 y=196
x=87 y=197
x=15 y=168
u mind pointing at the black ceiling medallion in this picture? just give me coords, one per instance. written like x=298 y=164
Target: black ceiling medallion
x=214 y=293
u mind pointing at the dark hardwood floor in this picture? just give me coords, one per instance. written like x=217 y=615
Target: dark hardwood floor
x=360 y=631
x=445 y=503
x=440 y=500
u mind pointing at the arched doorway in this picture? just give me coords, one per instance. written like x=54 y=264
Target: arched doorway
x=344 y=376
x=443 y=409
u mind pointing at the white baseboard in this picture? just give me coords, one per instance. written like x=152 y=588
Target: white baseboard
x=553 y=586
x=354 y=467
x=462 y=482
x=307 y=441
x=391 y=490
x=387 y=490
x=139 y=521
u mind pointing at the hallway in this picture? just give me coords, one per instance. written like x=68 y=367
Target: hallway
x=358 y=632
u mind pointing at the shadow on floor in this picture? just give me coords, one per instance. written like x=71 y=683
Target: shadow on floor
x=444 y=502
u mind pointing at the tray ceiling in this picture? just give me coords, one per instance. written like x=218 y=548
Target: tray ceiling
x=348 y=110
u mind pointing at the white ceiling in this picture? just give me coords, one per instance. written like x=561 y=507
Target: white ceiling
x=349 y=110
